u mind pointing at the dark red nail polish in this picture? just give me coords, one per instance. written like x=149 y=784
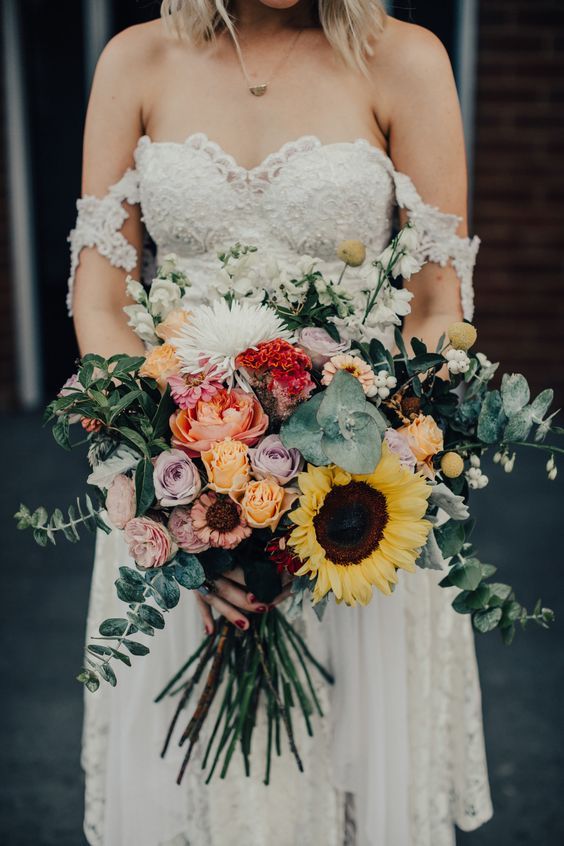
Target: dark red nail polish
x=252 y=597
x=240 y=624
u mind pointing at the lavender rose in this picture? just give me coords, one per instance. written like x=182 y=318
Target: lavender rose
x=319 y=345
x=176 y=478
x=182 y=531
x=150 y=544
x=398 y=444
x=121 y=501
x=272 y=458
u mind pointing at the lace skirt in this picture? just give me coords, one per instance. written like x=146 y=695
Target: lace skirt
x=397 y=761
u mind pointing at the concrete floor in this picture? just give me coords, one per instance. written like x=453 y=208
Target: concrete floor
x=42 y=614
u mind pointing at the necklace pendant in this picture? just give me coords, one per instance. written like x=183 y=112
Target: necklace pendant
x=258 y=90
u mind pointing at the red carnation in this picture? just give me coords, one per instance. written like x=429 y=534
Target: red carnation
x=281 y=555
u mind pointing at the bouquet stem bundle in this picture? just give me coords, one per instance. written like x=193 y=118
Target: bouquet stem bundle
x=271 y=660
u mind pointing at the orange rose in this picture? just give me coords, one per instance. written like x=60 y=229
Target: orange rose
x=424 y=437
x=161 y=363
x=228 y=414
x=264 y=502
x=227 y=466
x=173 y=322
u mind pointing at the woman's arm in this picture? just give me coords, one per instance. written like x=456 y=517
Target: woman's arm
x=113 y=126
x=426 y=141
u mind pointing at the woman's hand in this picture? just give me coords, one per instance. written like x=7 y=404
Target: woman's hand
x=232 y=600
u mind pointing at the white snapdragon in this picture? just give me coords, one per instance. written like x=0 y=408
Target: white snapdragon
x=168 y=265
x=384 y=382
x=134 y=289
x=164 y=296
x=408 y=239
x=406 y=266
x=457 y=361
x=141 y=322
x=476 y=478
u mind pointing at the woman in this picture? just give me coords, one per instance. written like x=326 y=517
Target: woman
x=299 y=124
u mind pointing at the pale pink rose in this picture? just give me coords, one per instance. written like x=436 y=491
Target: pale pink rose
x=150 y=544
x=398 y=444
x=319 y=345
x=176 y=478
x=181 y=528
x=121 y=501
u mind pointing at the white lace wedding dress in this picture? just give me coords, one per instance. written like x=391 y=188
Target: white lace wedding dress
x=399 y=759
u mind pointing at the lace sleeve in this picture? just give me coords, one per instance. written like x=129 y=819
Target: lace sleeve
x=438 y=240
x=98 y=224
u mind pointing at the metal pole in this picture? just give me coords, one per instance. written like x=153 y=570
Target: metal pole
x=466 y=42
x=20 y=205
x=97 y=17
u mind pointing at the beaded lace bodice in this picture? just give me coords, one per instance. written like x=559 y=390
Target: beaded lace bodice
x=303 y=199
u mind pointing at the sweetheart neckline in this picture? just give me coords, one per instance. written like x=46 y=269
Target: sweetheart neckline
x=285 y=151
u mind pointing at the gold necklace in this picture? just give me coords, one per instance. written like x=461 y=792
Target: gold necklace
x=258 y=89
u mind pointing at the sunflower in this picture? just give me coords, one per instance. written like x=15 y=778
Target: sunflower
x=353 y=532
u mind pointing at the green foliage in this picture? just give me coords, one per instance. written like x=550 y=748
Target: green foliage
x=338 y=426
x=47 y=528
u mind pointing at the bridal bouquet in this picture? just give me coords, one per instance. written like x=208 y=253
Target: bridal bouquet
x=273 y=431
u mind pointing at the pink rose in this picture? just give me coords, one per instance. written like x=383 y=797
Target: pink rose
x=398 y=444
x=121 y=501
x=181 y=528
x=150 y=544
x=319 y=345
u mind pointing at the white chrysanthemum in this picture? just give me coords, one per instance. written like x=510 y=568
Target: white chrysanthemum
x=215 y=335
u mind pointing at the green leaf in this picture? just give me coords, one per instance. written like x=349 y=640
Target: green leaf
x=511 y=612
x=39 y=517
x=166 y=588
x=450 y=537
x=136 y=439
x=302 y=431
x=467 y=575
x=460 y=603
x=488 y=570
x=128 y=592
x=108 y=674
x=344 y=394
x=128 y=574
x=541 y=404
x=121 y=656
x=140 y=624
x=519 y=425
x=508 y=634
x=479 y=598
x=61 y=432
x=515 y=393
x=358 y=453
x=97 y=649
x=499 y=593
x=421 y=363
x=160 y=421
x=113 y=627
x=486 y=621
x=398 y=337
x=152 y=616
x=124 y=403
x=144 y=487
x=418 y=347
x=135 y=647
x=491 y=418
x=188 y=570
x=377 y=351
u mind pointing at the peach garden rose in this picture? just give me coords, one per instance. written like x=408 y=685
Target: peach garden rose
x=161 y=363
x=227 y=466
x=264 y=502
x=228 y=414
x=424 y=437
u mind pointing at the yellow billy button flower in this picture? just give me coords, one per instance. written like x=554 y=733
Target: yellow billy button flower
x=462 y=335
x=352 y=253
x=452 y=465
x=353 y=532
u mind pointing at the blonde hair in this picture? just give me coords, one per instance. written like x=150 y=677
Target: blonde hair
x=350 y=26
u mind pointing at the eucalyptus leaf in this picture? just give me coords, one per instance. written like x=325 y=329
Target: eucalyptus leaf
x=541 y=404
x=108 y=674
x=431 y=557
x=151 y=615
x=135 y=647
x=113 y=627
x=486 y=621
x=519 y=425
x=128 y=592
x=466 y=575
x=302 y=431
x=188 y=570
x=166 y=587
x=450 y=537
x=449 y=502
x=515 y=393
x=491 y=418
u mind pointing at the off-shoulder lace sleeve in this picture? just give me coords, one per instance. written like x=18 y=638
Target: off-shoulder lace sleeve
x=98 y=224
x=438 y=240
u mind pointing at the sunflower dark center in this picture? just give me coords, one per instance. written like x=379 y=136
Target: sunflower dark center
x=223 y=515
x=351 y=522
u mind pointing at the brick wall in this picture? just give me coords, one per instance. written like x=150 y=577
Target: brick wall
x=519 y=187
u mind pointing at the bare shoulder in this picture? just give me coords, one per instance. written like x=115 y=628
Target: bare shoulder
x=135 y=48
x=409 y=65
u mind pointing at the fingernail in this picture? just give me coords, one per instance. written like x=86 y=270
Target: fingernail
x=209 y=629
x=241 y=624
x=260 y=609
